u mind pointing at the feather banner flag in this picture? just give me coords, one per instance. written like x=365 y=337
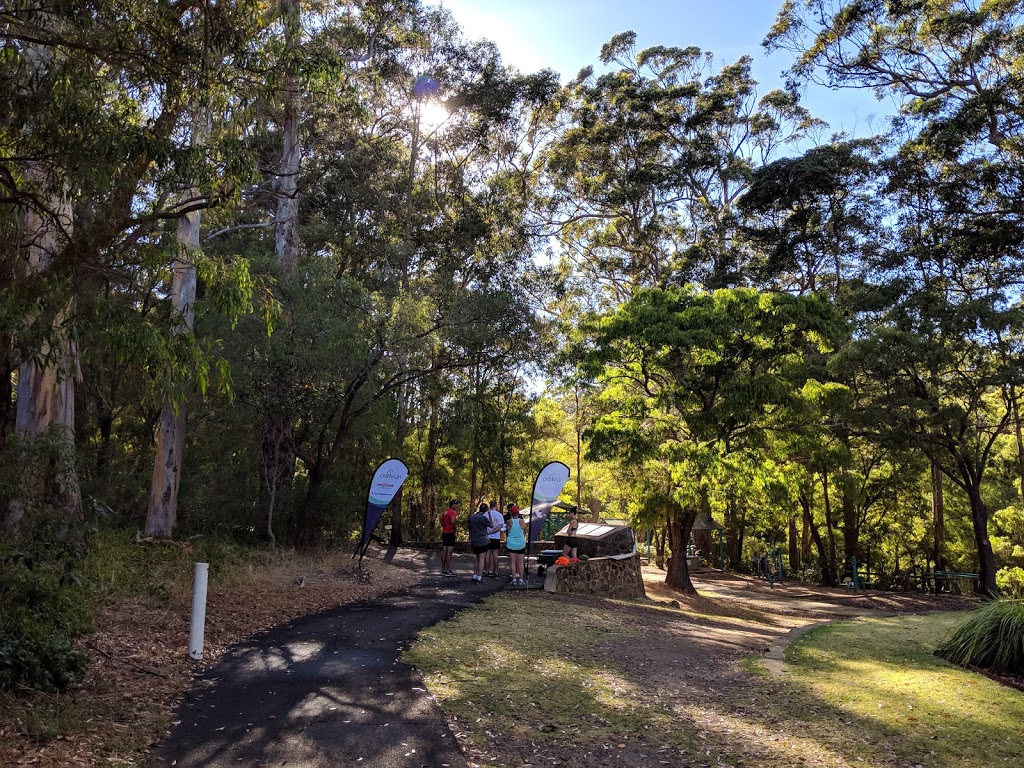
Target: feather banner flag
x=385 y=484
x=546 y=488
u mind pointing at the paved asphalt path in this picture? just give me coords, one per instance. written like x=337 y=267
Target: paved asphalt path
x=329 y=689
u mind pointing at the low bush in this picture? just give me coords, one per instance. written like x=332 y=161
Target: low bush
x=37 y=660
x=991 y=638
x=1011 y=582
x=43 y=607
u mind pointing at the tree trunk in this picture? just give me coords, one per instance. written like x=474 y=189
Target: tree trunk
x=679 y=527
x=830 y=529
x=286 y=186
x=578 y=429
x=428 y=491
x=277 y=468
x=162 y=511
x=848 y=501
x=733 y=542
x=659 y=547
x=1020 y=439
x=6 y=389
x=986 y=559
x=307 y=516
x=805 y=537
x=794 y=545
x=828 y=571
x=401 y=428
x=46 y=379
x=938 y=519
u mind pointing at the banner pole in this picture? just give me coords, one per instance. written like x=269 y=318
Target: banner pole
x=529 y=526
x=529 y=544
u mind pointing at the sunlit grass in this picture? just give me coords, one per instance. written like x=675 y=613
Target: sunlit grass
x=878 y=677
x=529 y=667
x=536 y=672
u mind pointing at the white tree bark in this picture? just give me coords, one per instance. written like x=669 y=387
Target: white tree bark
x=162 y=511
x=45 y=415
x=286 y=234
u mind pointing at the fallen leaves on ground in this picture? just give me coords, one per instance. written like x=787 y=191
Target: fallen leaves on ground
x=139 y=667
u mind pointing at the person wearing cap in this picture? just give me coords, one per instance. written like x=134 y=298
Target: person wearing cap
x=448 y=536
x=515 y=543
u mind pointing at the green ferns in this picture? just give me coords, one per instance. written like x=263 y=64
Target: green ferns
x=992 y=638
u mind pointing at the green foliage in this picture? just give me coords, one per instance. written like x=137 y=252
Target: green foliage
x=991 y=638
x=35 y=659
x=1011 y=582
x=43 y=605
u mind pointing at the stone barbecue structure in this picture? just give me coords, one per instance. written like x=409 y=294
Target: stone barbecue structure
x=612 y=576
x=609 y=563
x=600 y=539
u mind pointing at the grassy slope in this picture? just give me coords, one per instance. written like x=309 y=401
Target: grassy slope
x=525 y=680
x=872 y=687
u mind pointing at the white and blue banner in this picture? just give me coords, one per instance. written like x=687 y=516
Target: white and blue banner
x=546 y=489
x=385 y=484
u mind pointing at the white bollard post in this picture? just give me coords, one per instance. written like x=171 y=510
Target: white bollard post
x=196 y=636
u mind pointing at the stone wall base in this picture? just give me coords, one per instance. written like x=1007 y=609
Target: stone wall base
x=612 y=576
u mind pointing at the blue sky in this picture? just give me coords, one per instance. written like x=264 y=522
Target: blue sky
x=566 y=35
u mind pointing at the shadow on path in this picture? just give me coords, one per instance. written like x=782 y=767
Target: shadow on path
x=329 y=689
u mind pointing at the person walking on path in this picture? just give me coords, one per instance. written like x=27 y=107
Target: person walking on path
x=480 y=530
x=497 y=523
x=448 y=536
x=515 y=543
x=571 y=543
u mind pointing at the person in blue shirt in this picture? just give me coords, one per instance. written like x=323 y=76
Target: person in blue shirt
x=515 y=543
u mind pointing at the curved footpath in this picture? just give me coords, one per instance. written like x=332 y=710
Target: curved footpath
x=329 y=689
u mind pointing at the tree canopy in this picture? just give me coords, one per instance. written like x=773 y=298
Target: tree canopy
x=252 y=249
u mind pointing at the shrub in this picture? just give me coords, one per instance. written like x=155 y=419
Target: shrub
x=991 y=638
x=44 y=604
x=37 y=660
x=1011 y=582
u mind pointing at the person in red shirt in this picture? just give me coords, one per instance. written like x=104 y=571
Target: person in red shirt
x=448 y=536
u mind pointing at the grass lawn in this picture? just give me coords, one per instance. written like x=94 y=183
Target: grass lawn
x=872 y=689
x=528 y=680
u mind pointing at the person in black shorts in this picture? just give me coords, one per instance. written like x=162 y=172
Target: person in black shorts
x=448 y=536
x=479 y=531
x=571 y=543
x=497 y=525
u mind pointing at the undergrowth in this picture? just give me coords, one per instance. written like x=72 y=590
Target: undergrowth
x=53 y=576
x=991 y=638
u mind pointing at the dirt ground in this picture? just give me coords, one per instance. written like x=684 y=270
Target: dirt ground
x=139 y=666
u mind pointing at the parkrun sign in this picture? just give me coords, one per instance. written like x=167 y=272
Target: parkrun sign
x=385 y=484
x=386 y=481
x=550 y=481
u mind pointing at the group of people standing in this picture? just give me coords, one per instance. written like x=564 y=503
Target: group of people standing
x=485 y=528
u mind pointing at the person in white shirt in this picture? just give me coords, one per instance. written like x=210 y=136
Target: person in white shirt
x=497 y=522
